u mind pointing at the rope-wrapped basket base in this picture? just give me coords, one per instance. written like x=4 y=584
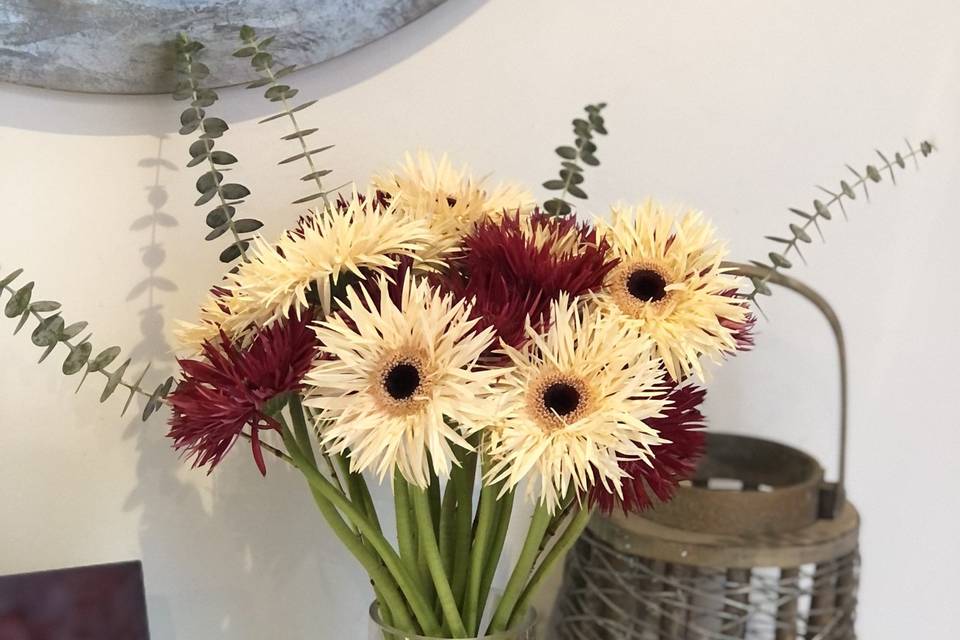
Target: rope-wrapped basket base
x=609 y=594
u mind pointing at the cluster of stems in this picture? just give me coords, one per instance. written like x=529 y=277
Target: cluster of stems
x=436 y=580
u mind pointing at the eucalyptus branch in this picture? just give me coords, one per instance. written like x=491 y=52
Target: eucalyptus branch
x=571 y=173
x=262 y=61
x=52 y=330
x=824 y=210
x=210 y=184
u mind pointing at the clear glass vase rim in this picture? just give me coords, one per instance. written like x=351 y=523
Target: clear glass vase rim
x=529 y=621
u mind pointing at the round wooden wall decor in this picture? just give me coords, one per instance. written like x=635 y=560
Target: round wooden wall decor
x=122 y=46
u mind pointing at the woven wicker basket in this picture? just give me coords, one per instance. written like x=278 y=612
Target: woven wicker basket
x=756 y=546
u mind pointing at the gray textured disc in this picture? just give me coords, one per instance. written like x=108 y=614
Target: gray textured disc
x=122 y=46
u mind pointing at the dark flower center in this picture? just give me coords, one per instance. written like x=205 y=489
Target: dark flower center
x=402 y=380
x=647 y=285
x=561 y=398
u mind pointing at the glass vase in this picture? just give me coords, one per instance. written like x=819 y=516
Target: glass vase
x=526 y=630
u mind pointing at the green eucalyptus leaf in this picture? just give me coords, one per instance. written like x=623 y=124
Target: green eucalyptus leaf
x=574 y=177
x=800 y=233
x=285 y=71
x=300 y=134
x=205 y=198
x=234 y=251
x=209 y=181
x=557 y=207
x=316 y=174
x=133 y=389
x=926 y=148
x=873 y=173
x=10 y=277
x=847 y=190
x=572 y=166
x=247 y=33
x=199 y=70
x=822 y=210
x=276 y=92
x=222 y=157
x=554 y=185
x=72 y=330
x=22 y=321
x=219 y=231
x=103 y=359
x=220 y=215
x=214 y=127
x=776 y=239
x=309 y=198
x=760 y=286
x=191 y=116
x=577 y=192
x=300 y=156
x=48 y=331
x=266 y=42
x=779 y=261
x=247 y=225
x=256 y=84
x=300 y=107
x=567 y=153
x=44 y=306
x=113 y=381
x=201 y=148
x=77 y=359
x=187 y=129
x=262 y=61
x=590 y=160
x=244 y=52
x=899 y=160
x=234 y=191
x=20 y=301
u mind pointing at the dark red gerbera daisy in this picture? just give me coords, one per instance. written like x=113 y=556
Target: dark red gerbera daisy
x=682 y=425
x=229 y=389
x=513 y=268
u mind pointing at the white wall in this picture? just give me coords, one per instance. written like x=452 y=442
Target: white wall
x=735 y=107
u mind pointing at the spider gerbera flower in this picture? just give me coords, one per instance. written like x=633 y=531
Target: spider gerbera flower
x=512 y=269
x=670 y=285
x=450 y=200
x=302 y=268
x=399 y=386
x=232 y=388
x=574 y=406
x=681 y=426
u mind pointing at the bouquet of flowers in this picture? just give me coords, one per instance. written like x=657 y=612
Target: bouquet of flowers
x=454 y=339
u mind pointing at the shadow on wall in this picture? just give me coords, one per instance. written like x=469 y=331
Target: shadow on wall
x=96 y=114
x=226 y=558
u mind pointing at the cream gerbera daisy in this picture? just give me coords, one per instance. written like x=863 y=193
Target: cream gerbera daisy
x=391 y=377
x=450 y=200
x=301 y=269
x=574 y=406
x=670 y=286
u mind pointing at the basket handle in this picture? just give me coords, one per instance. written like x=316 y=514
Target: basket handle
x=832 y=494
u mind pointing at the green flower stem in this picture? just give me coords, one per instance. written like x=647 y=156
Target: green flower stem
x=406 y=533
x=463 y=528
x=434 y=494
x=387 y=593
x=407 y=584
x=300 y=431
x=479 y=552
x=528 y=556
x=421 y=509
x=557 y=551
x=446 y=531
x=504 y=511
